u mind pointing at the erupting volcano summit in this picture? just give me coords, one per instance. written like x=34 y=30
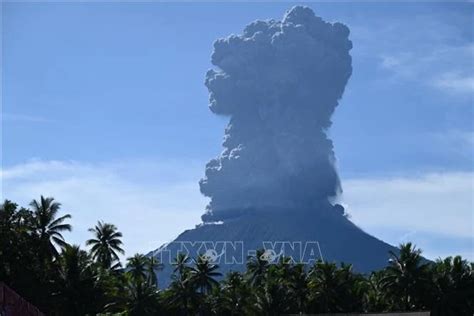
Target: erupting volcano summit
x=279 y=83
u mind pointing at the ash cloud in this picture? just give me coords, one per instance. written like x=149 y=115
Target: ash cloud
x=279 y=82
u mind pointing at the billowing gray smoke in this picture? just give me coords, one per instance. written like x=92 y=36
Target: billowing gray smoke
x=279 y=82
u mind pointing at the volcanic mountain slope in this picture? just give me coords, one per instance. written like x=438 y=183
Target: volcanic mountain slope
x=338 y=240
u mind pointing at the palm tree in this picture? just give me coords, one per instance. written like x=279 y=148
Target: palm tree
x=137 y=267
x=272 y=299
x=76 y=286
x=298 y=285
x=9 y=240
x=203 y=274
x=351 y=287
x=106 y=244
x=140 y=298
x=257 y=267
x=272 y=293
x=453 y=280
x=235 y=296
x=47 y=226
x=181 y=294
x=375 y=296
x=142 y=295
x=7 y=214
x=406 y=277
x=152 y=266
x=283 y=288
x=325 y=287
x=181 y=265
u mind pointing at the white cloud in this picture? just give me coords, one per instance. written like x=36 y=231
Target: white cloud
x=439 y=205
x=151 y=203
x=437 y=55
x=447 y=68
x=456 y=82
x=400 y=64
x=456 y=142
x=23 y=118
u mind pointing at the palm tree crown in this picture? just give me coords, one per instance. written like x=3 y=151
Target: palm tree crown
x=405 y=276
x=137 y=267
x=203 y=274
x=257 y=266
x=106 y=244
x=180 y=265
x=47 y=226
x=153 y=265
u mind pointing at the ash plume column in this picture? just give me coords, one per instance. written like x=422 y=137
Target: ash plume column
x=279 y=82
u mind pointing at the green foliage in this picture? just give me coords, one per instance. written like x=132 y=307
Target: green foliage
x=335 y=289
x=106 y=244
x=453 y=287
x=76 y=286
x=62 y=279
x=406 y=278
x=202 y=275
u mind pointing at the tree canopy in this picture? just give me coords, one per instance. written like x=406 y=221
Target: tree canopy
x=63 y=279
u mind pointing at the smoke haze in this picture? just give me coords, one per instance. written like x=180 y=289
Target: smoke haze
x=279 y=82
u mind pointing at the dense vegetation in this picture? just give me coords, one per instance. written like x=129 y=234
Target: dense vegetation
x=62 y=279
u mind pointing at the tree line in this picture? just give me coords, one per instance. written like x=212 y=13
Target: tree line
x=63 y=279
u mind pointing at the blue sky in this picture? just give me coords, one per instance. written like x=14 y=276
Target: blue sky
x=104 y=108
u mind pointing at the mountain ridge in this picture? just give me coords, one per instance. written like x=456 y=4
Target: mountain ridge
x=337 y=239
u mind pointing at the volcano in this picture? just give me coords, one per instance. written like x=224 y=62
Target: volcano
x=274 y=185
x=329 y=234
